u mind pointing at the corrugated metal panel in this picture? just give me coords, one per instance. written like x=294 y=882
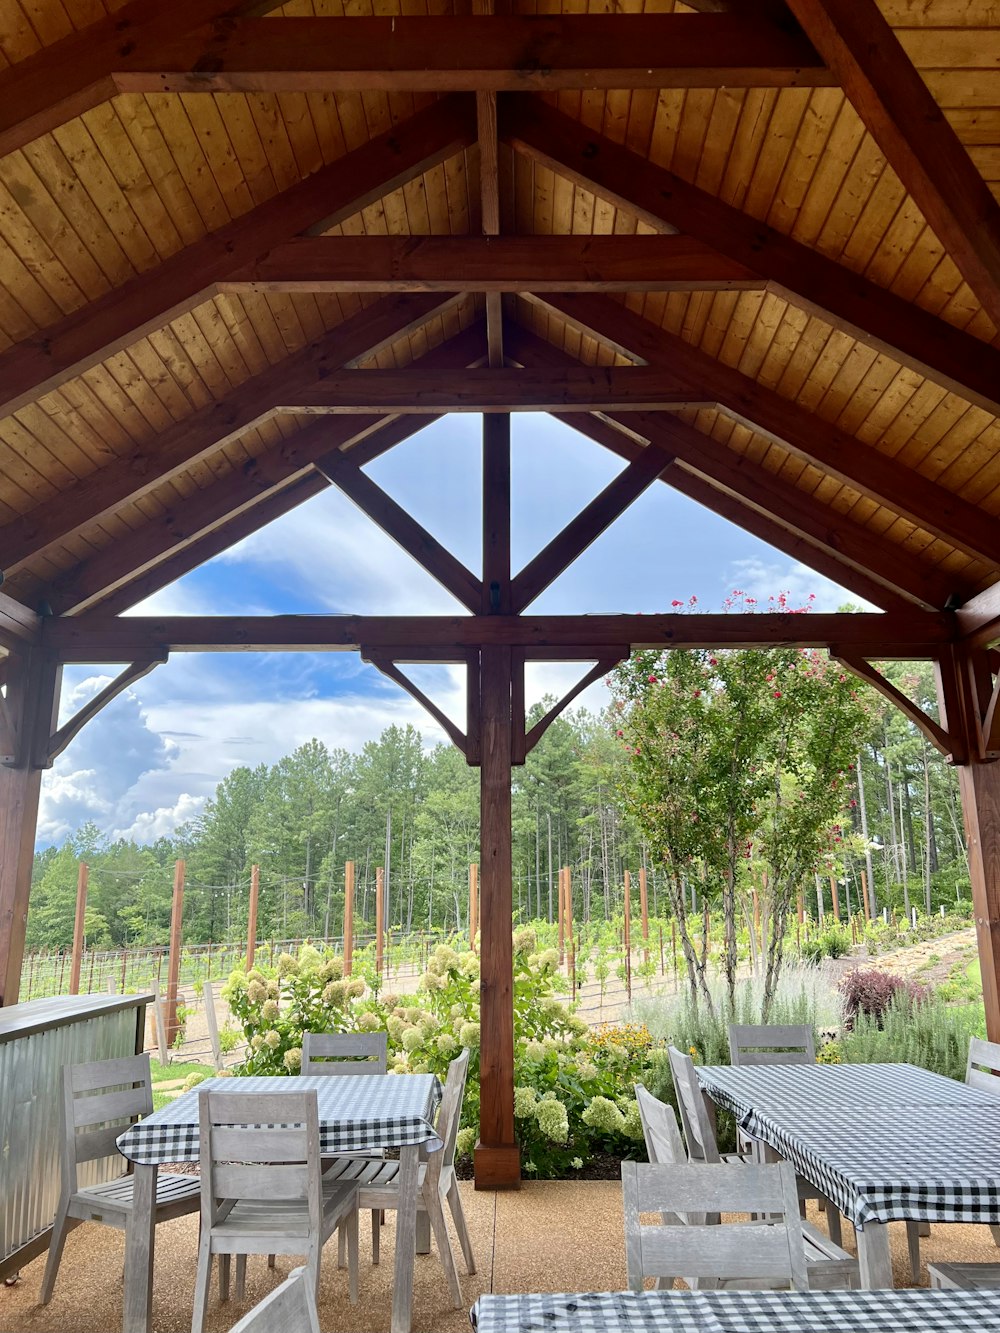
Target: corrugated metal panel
x=31 y=1129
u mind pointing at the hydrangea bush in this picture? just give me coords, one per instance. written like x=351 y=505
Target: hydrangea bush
x=573 y=1094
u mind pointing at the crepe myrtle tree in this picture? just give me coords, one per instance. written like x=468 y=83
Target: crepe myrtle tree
x=737 y=757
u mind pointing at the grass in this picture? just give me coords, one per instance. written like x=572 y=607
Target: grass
x=168 y=1073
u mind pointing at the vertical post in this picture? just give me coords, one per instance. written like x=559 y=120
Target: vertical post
x=473 y=904
x=562 y=916
x=627 y=941
x=979 y=785
x=571 y=943
x=379 y=917
x=348 y=917
x=252 y=915
x=865 y=897
x=644 y=913
x=819 y=899
x=801 y=907
x=31 y=709
x=78 y=923
x=834 y=898
x=174 y=963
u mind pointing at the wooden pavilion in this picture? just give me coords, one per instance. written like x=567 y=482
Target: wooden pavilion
x=750 y=246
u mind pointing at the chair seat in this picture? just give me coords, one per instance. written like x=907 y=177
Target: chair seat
x=95 y=1202
x=289 y=1218
x=965 y=1277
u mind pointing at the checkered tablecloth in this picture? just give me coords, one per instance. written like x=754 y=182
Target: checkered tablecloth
x=741 y=1312
x=356 y=1115
x=931 y=1163
x=745 y=1089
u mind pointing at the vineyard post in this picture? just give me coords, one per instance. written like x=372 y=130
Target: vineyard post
x=124 y=967
x=562 y=916
x=348 y=917
x=644 y=910
x=819 y=899
x=252 y=915
x=628 y=936
x=834 y=899
x=174 y=963
x=568 y=900
x=673 y=944
x=801 y=907
x=208 y=962
x=78 y=927
x=62 y=972
x=90 y=977
x=473 y=904
x=864 y=895
x=379 y=911
x=663 y=968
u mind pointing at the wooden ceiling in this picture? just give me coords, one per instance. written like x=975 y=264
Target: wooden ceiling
x=818 y=339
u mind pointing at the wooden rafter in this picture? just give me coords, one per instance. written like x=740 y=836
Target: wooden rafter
x=601 y=668
x=492 y=263
x=805 y=277
x=150 y=300
x=102 y=638
x=581 y=531
x=911 y=129
x=864 y=670
x=808 y=436
x=437 y=53
x=19 y=625
x=389 y=668
x=979 y=619
x=755 y=498
x=489 y=194
x=66 y=733
x=134 y=474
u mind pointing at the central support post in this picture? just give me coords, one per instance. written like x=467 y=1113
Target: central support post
x=497 y=1158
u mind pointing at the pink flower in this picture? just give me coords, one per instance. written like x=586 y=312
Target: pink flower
x=675 y=602
x=652 y=680
x=777 y=694
x=697 y=694
x=713 y=661
x=619 y=732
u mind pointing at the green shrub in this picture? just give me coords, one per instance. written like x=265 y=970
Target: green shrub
x=926 y=1032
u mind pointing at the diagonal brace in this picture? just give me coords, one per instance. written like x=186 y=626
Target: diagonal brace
x=59 y=741
x=542 y=725
x=935 y=733
x=390 y=669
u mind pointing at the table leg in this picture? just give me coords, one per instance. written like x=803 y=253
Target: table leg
x=423 y=1232
x=406 y=1228
x=874 y=1257
x=140 y=1233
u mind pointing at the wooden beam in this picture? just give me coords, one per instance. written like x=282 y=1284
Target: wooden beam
x=600 y=669
x=390 y=669
x=493 y=264
x=568 y=545
x=69 y=730
x=412 y=536
x=496 y=586
x=979 y=785
x=19 y=625
x=864 y=670
x=842 y=298
x=847 y=553
x=130 y=476
x=607 y=388
x=979 y=619
x=69 y=77
x=489 y=192
x=912 y=131
x=436 y=53
x=151 y=300
x=101 y=638
x=808 y=436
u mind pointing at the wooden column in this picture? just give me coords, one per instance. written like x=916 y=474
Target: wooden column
x=980 y=788
x=29 y=719
x=348 y=917
x=174 y=966
x=473 y=904
x=835 y=900
x=379 y=916
x=644 y=912
x=78 y=928
x=252 y=915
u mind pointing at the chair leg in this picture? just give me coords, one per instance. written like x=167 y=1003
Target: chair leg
x=341 y=1247
x=833 y=1224
x=432 y=1203
x=270 y=1261
x=241 y=1277
x=377 y=1215
x=913 y=1245
x=996 y=1233
x=458 y=1216
x=223 y=1278
x=60 y=1231
x=352 y=1254
x=202 y=1278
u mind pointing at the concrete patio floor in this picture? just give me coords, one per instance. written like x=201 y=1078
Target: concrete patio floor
x=549 y=1236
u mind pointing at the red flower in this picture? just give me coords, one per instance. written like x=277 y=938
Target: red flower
x=713 y=661
x=675 y=602
x=619 y=732
x=777 y=694
x=652 y=680
x=697 y=694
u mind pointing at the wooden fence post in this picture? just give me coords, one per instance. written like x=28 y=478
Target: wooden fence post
x=801 y=907
x=348 y=917
x=473 y=904
x=628 y=935
x=864 y=895
x=174 y=963
x=571 y=944
x=562 y=917
x=379 y=914
x=78 y=926
x=252 y=915
x=834 y=898
x=212 y=1023
x=644 y=912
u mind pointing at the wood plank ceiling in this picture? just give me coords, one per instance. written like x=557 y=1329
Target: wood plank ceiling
x=146 y=337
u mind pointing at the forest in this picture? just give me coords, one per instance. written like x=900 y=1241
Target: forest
x=415 y=812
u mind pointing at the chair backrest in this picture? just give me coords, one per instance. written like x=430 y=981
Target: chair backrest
x=259 y=1145
x=771 y=1044
x=449 y=1115
x=344 y=1053
x=698 y=1129
x=984 y=1064
x=659 y=1129
x=290 y=1308
x=100 y=1100
x=774 y=1249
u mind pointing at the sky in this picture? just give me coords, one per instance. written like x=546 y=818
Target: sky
x=149 y=761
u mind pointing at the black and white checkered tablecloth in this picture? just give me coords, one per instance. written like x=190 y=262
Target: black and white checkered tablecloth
x=745 y=1089
x=931 y=1163
x=741 y=1312
x=356 y=1115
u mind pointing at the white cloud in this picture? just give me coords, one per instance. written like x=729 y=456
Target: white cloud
x=162 y=822
x=763 y=579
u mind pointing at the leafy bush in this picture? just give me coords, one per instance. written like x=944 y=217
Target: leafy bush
x=931 y=1034
x=870 y=991
x=834 y=942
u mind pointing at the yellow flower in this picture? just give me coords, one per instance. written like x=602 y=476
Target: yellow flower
x=692 y=1050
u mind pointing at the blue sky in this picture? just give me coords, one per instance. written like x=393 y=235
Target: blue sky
x=150 y=760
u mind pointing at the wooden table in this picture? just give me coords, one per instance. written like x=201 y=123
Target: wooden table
x=356 y=1115
x=882 y=1142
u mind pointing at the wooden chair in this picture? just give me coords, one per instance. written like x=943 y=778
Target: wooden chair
x=772 y=1252
x=93 y=1118
x=344 y=1053
x=699 y=1132
x=965 y=1277
x=983 y=1065
x=262 y=1188
x=290 y=1308
x=771 y=1044
x=378 y=1183
x=659 y=1128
